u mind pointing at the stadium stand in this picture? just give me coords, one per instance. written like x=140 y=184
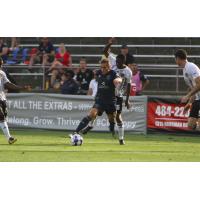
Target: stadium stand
x=153 y=55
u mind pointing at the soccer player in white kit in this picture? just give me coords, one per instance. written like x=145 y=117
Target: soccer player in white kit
x=191 y=74
x=4 y=82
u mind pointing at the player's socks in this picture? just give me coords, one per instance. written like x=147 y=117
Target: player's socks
x=4 y=127
x=85 y=121
x=121 y=131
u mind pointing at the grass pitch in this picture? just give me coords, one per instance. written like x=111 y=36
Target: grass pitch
x=40 y=145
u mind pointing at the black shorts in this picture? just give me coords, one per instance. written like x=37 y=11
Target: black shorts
x=3 y=110
x=194 y=112
x=104 y=107
x=119 y=104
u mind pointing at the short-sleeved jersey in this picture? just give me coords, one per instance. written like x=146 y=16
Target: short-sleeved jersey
x=126 y=75
x=3 y=80
x=112 y=60
x=190 y=73
x=106 y=87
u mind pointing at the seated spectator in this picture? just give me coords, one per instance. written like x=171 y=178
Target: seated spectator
x=68 y=84
x=139 y=80
x=44 y=54
x=93 y=86
x=3 y=50
x=14 y=51
x=84 y=76
x=62 y=61
x=129 y=59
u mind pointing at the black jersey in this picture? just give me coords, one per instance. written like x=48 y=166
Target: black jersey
x=106 y=87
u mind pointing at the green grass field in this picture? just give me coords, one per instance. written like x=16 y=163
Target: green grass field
x=40 y=145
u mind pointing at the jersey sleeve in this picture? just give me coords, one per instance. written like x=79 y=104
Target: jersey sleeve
x=129 y=76
x=194 y=71
x=4 y=78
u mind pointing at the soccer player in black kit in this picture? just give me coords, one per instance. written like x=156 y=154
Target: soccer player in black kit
x=105 y=101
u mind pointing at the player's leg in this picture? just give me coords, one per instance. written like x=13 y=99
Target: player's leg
x=3 y=123
x=112 y=120
x=119 y=120
x=194 y=115
x=192 y=123
x=86 y=120
x=120 y=126
x=89 y=127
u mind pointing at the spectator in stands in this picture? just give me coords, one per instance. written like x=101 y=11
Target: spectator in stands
x=14 y=51
x=62 y=61
x=68 y=84
x=3 y=50
x=93 y=86
x=139 y=79
x=44 y=54
x=129 y=59
x=84 y=76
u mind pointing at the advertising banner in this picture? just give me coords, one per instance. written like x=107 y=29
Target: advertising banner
x=55 y=111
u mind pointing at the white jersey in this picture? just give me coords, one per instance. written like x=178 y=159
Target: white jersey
x=112 y=60
x=3 y=80
x=190 y=73
x=126 y=75
x=93 y=85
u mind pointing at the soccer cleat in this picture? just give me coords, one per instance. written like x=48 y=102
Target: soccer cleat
x=12 y=140
x=121 y=142
x=86 y=130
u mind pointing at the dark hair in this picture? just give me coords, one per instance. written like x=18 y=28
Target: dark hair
x=70 y=72
x=181 y=53
x=121 y=57
x=83 y=59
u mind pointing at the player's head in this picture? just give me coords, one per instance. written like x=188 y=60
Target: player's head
x=124 y=49
x=180 y=57
x=120 y=61
x=1 y=62
x=83 y=63
x=105 y=67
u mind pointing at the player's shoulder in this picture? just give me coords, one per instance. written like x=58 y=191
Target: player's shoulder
x=2 y=73
x=190 y=66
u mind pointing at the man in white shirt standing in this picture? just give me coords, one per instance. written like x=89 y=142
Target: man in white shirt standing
x=191 y=74
x=4 y=82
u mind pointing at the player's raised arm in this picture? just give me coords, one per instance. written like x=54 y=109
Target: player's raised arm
x=107 y=47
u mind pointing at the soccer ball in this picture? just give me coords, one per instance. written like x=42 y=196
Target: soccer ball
x=76 y=140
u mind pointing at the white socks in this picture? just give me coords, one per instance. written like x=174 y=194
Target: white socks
x=4 y=127
x=120 y=131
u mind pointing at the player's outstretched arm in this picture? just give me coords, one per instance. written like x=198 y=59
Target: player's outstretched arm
x=12 y=86
x=193 y=91
x=107 y=47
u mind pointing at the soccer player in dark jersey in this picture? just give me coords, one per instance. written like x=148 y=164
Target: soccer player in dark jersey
x=105 y=100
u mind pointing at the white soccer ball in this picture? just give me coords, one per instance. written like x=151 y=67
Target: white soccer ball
x=76 y=140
